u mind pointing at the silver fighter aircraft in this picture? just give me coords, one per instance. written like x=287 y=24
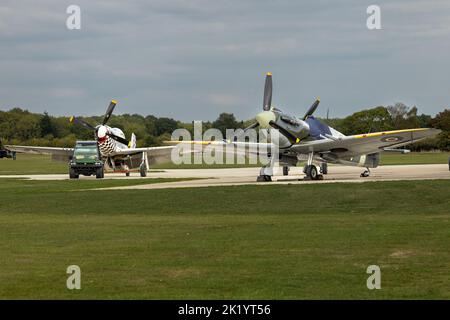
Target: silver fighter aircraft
x=311 y=140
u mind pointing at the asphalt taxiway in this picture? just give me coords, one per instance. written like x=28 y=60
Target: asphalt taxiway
x=247 y=176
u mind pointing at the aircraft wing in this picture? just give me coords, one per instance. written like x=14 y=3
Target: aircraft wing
x=58 y=154
x=230 y=147
x=154 y=154
x=40 y=150
x=365 y=143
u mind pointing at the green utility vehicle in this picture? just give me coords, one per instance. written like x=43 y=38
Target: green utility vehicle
x=86 y=160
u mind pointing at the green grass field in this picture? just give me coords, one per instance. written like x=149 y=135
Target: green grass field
x=414 y=158
x=42 y=164
x=282 y=242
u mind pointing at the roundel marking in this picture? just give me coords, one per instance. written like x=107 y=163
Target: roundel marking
x=392 y=139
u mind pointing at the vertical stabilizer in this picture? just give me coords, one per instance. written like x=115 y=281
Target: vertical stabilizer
x=133 y=141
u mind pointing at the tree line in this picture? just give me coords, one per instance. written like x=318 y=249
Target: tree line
x=19 y=126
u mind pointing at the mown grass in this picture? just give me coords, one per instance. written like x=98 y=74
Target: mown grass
x=293 y=241
x=414 y=158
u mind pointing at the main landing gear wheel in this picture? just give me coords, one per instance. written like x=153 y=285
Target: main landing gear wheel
x=127 y=174
x=263 y=178
x=143 y=170
x=285 y=170
x=324 y=168
x=311 y=173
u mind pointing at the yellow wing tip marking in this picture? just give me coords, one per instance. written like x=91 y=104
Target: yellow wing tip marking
x=269 y=74
x=318 y=99
x=114 y=101
x=376 y=134
x=71 y=119
x=188 y=142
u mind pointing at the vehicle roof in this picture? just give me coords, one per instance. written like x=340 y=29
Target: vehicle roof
x=85 y=143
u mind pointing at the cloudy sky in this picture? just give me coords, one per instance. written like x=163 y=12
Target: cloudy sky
x=192 y=59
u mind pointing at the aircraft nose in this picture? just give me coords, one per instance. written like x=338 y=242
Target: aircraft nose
x=264 y=119
x=101 y=132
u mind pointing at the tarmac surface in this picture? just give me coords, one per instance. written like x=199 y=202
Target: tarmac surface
x=247 y=176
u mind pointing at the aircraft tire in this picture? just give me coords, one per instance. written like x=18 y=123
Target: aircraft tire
x=324 y=168
x=311 y=172
x=264 y=178
x=143 y=170
x=285 y=170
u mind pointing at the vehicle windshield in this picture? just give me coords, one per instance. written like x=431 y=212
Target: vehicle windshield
x=86 y=152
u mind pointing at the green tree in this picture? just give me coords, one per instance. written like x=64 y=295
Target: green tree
x=442 y=121
x=47 y=126
x=369 y=120
x=226 y=121
x=165 y=125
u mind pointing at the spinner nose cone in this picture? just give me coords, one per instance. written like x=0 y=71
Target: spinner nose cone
x=264 y=119
x=101 y=132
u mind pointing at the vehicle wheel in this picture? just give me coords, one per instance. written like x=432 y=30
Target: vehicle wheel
x=127 y=174
x=99 y=173
x=324 y=168
x=143 y=170
x=14 y=156
x=285 y=170
x=73 y=174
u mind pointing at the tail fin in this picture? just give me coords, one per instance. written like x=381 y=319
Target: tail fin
x=132 y=141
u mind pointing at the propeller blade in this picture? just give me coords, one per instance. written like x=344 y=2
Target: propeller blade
x=72 y=119
x=109 y=111
x=312 y=109
x=118 y=139
x=252 y=126
x=267 y=102
x=293 y=139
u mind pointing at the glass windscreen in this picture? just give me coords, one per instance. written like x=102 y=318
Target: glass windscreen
x=86 y=152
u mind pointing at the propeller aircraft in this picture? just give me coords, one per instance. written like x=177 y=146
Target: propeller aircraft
x=311 y=140
x=118 y=153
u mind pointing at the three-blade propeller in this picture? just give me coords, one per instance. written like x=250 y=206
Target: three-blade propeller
x=267 y=107
x=108 y=114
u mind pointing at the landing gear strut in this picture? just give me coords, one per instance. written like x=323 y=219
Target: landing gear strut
x=266 y=172
x=144 y=165
x=310 y=169
x=366 y=173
